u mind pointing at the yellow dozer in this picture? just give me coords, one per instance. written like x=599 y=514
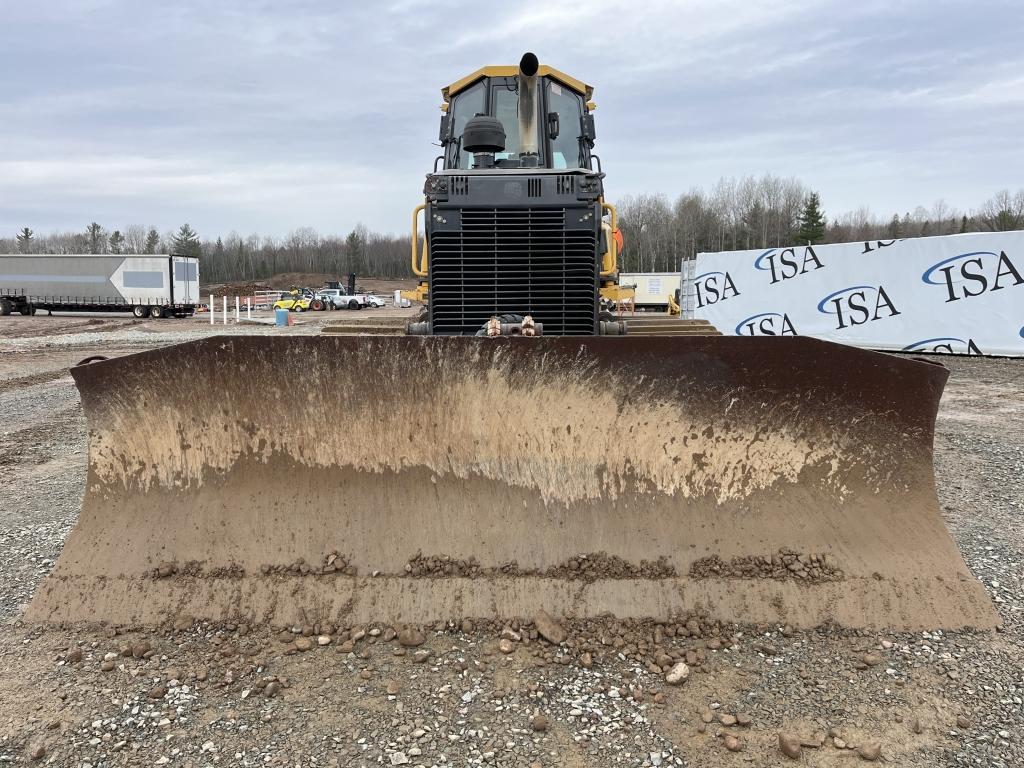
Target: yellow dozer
x=517 y=450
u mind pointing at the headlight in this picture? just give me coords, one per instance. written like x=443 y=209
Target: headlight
x=435 y=185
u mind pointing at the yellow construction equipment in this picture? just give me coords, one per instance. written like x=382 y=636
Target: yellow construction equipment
x=673 y=306
x=516 y=451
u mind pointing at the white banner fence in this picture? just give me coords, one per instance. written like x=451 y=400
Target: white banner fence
x=956 y=294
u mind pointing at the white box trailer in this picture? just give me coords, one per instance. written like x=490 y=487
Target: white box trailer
x=652 y=288
x=148 y=286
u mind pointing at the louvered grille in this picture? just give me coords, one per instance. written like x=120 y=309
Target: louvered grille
x=513 y=261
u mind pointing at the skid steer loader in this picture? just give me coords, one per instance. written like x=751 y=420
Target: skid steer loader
x=572 y=469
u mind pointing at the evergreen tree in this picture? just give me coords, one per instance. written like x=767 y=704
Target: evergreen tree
x=1004 y=221
x=25 y=238
x=355 y=248
x=152 y=241
x=895 y=228
x=116 y=241
x=812 y=221
x=94 y=238
x=907 y=225
x=186 y=242
x=963 y=224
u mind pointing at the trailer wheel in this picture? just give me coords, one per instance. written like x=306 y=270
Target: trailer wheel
x=156 y=312
x=5 y=307
x=25 y=309
x=140 y=311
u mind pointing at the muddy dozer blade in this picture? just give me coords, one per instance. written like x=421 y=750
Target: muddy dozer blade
x=416 y=479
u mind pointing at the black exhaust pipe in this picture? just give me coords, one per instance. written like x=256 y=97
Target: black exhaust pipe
x=528 y=139
x=528 y=65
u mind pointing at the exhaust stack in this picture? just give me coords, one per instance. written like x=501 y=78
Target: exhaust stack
x=528 y=139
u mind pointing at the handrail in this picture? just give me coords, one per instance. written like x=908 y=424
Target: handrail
x=416 y=268
x=613 y=249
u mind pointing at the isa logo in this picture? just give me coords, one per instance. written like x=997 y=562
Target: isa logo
x=858 y=304
x=713 y=287
x=766 y=324
x=949 y=345
x=973 y=274
x=786 y=263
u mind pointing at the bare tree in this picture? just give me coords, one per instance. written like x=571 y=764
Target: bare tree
x=1003 y=211
x=135 y=239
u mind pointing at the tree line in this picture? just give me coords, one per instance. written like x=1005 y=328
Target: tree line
x=735 y=214
x=234 y=257
x=768 y=212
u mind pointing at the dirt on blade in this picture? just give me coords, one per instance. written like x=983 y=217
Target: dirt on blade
x=702 y=454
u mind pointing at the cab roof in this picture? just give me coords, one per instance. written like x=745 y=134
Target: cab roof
x=587 y=91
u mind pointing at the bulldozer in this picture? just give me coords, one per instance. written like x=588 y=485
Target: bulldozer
x=518 y=450
x=515 y=222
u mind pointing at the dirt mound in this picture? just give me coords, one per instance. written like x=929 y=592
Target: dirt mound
x=285 y=280
x=241 y=288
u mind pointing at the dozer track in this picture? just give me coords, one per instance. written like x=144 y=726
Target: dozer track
x=413 y=479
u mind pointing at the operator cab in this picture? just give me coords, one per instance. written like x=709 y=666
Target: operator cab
x=525 y=117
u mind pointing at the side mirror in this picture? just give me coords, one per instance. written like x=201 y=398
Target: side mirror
x=553 y=126
x=443 y=133
x=587 y=128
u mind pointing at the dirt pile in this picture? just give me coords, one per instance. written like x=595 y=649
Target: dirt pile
x=585 y=567
x=785 y=564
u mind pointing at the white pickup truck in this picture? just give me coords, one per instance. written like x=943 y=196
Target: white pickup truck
x=342 y=299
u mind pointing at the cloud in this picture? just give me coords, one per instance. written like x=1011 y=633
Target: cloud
x=259 y=116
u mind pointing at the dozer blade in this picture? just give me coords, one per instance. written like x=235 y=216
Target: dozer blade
x=412 y=479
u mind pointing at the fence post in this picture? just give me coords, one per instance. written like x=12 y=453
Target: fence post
x=213 y=309
x=236 y=309
x=248 y=307
x=225 y=310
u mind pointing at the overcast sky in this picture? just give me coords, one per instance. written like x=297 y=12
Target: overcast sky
x=265 y=117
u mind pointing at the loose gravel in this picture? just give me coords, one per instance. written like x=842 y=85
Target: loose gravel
x=198 y=694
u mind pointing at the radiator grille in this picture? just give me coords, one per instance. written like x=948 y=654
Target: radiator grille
x=513 y=261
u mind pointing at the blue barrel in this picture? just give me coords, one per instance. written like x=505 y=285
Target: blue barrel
x=281 y=317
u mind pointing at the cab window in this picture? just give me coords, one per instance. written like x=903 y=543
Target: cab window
x=506 y=109
x=463 y=106
x=567 y=149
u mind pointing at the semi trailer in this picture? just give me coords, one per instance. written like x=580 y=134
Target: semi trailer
x=160 y=285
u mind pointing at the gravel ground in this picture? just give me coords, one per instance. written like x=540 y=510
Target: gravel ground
x=66 y=331
x=203 y=695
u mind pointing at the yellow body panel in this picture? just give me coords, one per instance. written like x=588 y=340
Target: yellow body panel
x=511 y=70
x=291 y=303
x=618 y=293
x=673 y=307
x=419 y=294
x=610 y=259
